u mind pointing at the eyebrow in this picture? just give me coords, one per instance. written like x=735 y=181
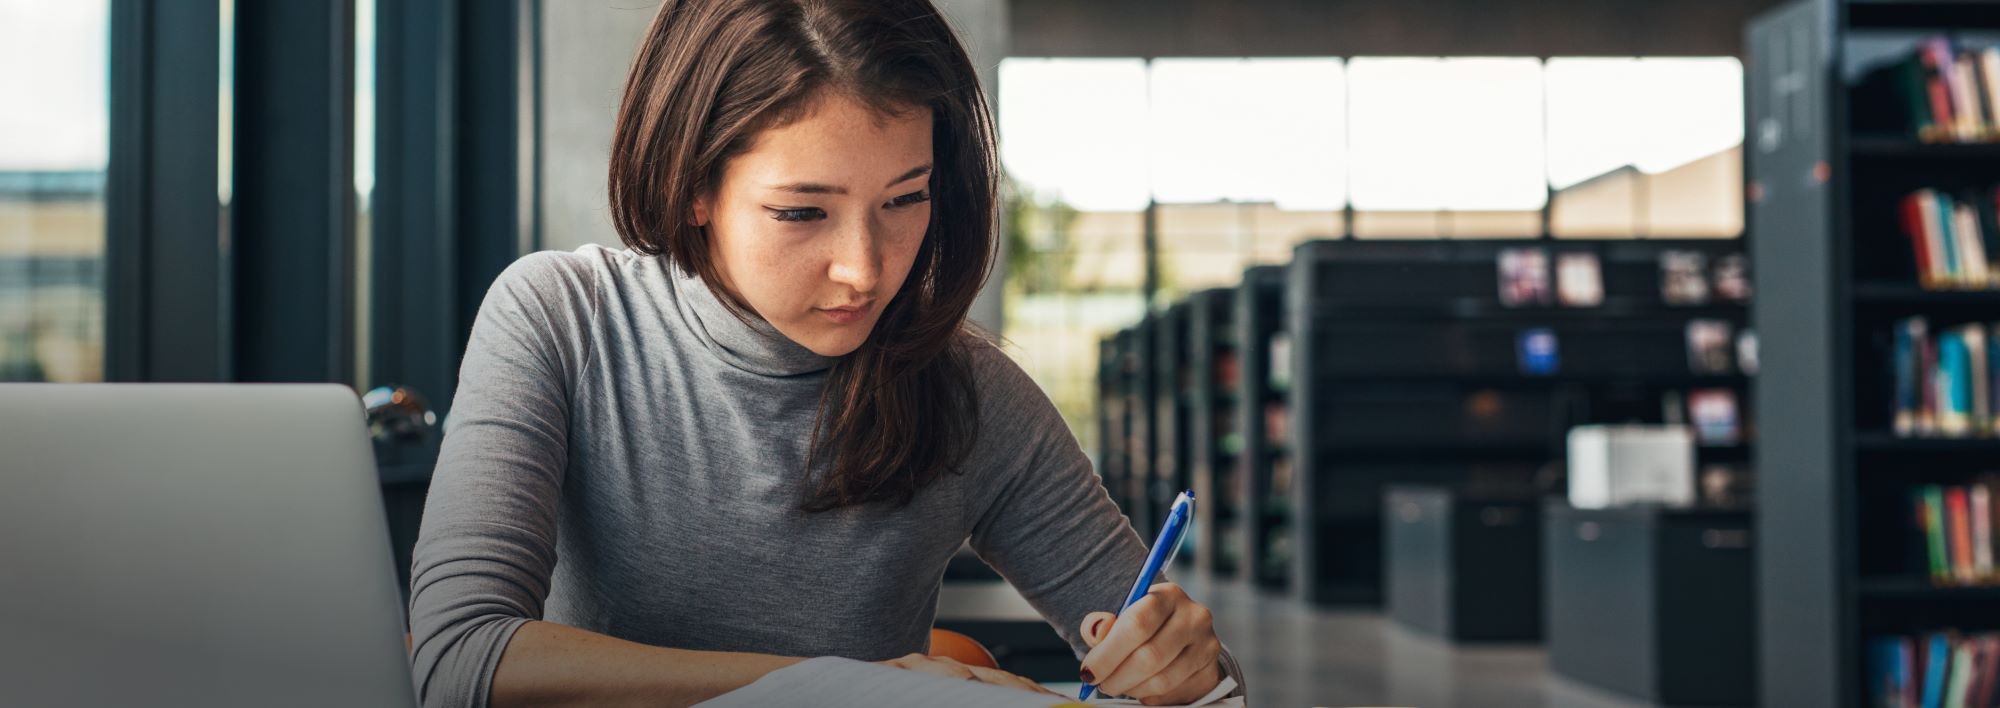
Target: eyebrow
x=812 y=188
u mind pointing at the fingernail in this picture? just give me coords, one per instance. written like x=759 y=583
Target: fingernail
x=1087 y=676
x=1095 y=625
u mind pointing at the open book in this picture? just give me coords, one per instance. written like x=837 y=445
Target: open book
x=835 y=682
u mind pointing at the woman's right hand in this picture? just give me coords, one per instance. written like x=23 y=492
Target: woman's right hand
x=946 y=666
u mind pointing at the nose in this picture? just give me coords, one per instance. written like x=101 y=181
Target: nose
x=857 y=257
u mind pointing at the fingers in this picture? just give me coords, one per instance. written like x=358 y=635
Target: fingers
x=941 y=666
x=1135 y=626
x=951 y=668
x=1196 y=665
x=1147 y=661
x=1096 y=626
x=1002 y=678
x=1184 y=647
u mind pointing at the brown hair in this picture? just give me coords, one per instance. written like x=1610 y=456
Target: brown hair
x=900 y=410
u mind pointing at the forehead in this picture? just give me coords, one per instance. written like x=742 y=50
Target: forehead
x=840 y=142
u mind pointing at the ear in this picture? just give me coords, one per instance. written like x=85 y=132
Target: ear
x=701 y=211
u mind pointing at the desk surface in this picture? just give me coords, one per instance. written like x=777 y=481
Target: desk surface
x=984 y=601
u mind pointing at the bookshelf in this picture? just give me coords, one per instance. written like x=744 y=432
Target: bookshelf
x=1172 y=401
x=1408 y=371
x=1825 y=181
x=1215 y=447
x=1263 y=504
x=1144 y=435
x=1112 y=419
x=1125 y=416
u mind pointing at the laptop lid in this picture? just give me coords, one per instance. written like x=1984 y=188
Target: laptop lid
x=194 y=545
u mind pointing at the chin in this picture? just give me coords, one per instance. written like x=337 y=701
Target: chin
x=838 y=342
x=834 y=349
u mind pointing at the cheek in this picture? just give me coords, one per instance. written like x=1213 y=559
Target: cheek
x=761 y=261
x=906 y=239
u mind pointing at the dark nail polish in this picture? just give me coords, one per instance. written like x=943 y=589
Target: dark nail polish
x=1095 y=625
x=1087 y=676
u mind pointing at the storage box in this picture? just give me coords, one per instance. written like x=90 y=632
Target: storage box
x=1616 y=465
x=1651 y=603
x=1464 y=566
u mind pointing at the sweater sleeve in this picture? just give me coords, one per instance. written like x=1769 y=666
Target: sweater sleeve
x=1050 y=527
x=486 y=546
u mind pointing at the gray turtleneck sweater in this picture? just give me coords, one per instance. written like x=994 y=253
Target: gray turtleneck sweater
x=624 y=456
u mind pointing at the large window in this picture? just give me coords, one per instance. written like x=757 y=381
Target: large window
x=54 y=138
x=1247 y=130
x=1642 y=147
x=1241 y=159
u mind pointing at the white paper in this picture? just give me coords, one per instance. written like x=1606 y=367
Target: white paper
x=835 y=682
x=1214 y=699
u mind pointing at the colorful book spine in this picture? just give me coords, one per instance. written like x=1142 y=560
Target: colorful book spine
x=1993 y=377
x=1953 y=239
x=1940 y=669
x=1952 y=380
x=1903 y=362
x=1981 y=520
x=1931 y=510
x=1888 y=662
x=1977 y=384
x=1953 y=530
x=1958 y=520
x=1937 y=659
x=1942 y=384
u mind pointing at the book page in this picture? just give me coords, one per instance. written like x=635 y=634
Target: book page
x=839 y=683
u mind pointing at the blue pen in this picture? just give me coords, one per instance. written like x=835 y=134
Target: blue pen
x=1164 y=547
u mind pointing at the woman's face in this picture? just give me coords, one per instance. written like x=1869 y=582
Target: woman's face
x=815 y=226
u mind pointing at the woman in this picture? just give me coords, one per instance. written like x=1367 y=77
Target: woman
x=759 y=432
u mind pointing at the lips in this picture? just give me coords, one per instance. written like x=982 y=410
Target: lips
x=847 y=313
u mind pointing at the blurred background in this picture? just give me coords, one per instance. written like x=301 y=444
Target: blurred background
x=1480 y=328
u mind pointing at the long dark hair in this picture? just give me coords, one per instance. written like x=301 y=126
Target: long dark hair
x=901 y=410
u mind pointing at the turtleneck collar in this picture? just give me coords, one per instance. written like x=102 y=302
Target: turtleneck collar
x=754 y=346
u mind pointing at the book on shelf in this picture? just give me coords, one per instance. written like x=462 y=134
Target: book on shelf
x=1230 y=443
x=1537 y=351
x=1277 y=423
x=1708 y=346
x=1939 y=92
x=1954 y=532
x=1937 y=669
x=1524 y=277
x=1281 y=481
x=1732 y=277
x=1714 y=414
x=1953 y=239
x=1684 y=277
x=1943 y=384
x=1746 y=352
x=1228 y=371
x=1280 y=371
x=1579 y=280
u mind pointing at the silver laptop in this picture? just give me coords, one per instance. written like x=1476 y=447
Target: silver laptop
x=194 y=545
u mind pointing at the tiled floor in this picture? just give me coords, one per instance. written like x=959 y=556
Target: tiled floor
x=1295 y=656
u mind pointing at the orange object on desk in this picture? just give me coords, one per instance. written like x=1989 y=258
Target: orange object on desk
x=963 y=649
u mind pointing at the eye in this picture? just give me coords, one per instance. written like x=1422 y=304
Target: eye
x=800 y=214
x=908 y=199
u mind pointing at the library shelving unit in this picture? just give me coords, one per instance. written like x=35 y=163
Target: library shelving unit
x=1407 y=371
x=1263 y=497
x=1214 y=447
x=1824 y=185
x=1172 y=405
x=1127 y=411
x=1143 y=434
x=1113 y=419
